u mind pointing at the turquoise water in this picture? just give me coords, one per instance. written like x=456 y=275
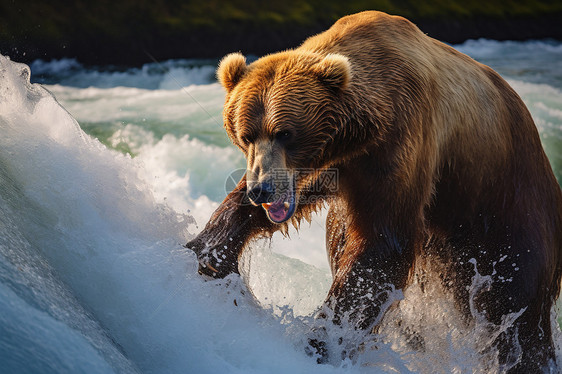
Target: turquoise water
x=180 y=97
x=99 y=193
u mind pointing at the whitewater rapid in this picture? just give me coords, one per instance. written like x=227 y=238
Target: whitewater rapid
x=94 y=275
x=97 y=197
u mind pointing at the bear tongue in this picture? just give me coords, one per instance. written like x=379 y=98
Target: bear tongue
x=277 y=210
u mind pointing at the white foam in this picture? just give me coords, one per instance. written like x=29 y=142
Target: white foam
x=183 y=173
x=493 y=48
x=167 y=75
x=120 y=252
x=128 y=103
x=56 y=66
x=53 y=345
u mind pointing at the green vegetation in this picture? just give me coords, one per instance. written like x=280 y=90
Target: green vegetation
x=118 y=28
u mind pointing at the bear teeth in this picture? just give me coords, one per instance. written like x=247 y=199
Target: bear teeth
x=266 y=206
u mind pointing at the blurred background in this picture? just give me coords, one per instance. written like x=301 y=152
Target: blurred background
x=129 y=32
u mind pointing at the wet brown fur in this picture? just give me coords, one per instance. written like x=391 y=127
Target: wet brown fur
x=437 y=156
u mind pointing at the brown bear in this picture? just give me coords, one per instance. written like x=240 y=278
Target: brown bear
x=438 y=161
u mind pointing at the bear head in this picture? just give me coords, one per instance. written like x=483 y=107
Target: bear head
x=283 y=111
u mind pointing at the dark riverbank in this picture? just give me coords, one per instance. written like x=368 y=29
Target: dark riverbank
x=133 y=32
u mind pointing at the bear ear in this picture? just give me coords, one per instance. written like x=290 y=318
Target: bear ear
x=334 y=70
x=231 y=68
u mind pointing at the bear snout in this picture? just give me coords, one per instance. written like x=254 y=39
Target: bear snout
x=261 y=193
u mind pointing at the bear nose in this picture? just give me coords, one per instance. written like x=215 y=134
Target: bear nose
x=261 y=193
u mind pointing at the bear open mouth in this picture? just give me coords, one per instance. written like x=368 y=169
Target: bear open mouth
x=282 y=209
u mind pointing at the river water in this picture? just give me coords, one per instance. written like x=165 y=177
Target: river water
x=105 y=172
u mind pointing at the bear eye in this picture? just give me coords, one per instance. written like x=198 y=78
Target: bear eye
x=248 y=138
x=283 y=136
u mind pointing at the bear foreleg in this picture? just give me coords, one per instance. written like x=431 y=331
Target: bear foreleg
x=220 y=244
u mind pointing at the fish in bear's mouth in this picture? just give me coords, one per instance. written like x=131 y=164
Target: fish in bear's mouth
x=283 y=208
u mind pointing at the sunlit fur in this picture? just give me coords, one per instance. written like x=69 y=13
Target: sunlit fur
x=231 y=69
x=317 y=80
